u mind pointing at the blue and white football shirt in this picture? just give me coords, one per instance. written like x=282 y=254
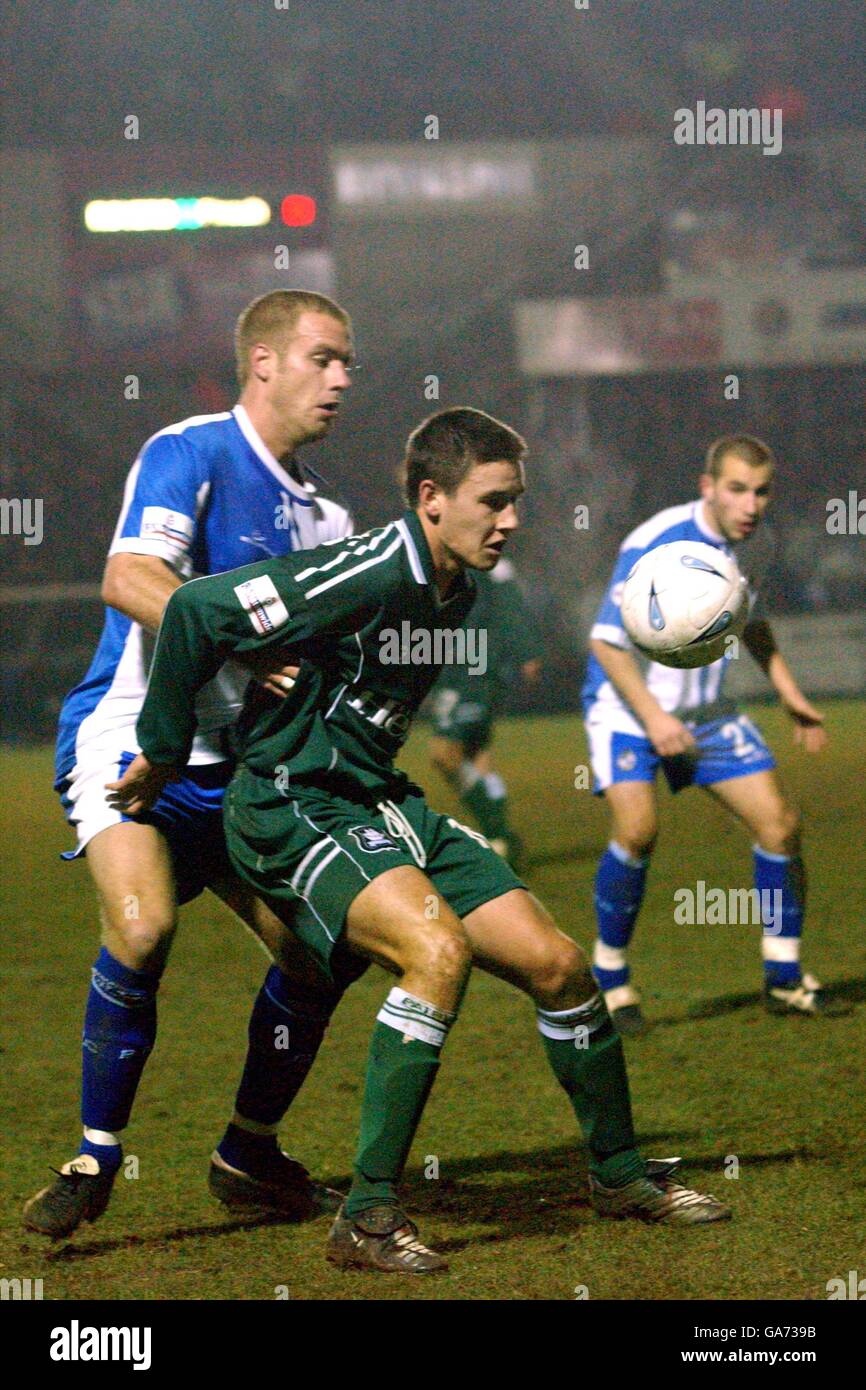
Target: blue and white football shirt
x=678 y=692
x=205 y=495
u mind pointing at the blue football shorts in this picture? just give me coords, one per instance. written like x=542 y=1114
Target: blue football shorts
x=726 y=748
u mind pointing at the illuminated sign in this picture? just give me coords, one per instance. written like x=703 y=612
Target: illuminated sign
x=298 y=210
x=174 y=214
x=473 y=179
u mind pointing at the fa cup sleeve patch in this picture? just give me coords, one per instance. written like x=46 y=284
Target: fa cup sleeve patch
x=263 y=605
x=172 y=528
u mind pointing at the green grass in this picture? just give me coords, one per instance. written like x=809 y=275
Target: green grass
x=716 y=1077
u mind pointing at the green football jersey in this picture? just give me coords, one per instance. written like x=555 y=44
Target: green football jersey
x=364 y=614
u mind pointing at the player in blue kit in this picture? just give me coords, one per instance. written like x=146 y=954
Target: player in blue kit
x=641 y=716
x=205 y=495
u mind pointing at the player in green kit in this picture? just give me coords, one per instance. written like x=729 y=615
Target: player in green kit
x=344 y=848
x=466 y=695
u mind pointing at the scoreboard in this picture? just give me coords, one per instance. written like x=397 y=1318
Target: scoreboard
x=166 y=247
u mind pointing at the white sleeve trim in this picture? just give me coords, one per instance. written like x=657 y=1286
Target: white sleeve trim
x=606 y=632
x=140 y=545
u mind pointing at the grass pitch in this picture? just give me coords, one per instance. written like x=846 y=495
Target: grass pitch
x=778 y=1102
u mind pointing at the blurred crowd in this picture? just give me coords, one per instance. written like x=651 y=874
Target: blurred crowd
x=604 y=455
x=371 y=71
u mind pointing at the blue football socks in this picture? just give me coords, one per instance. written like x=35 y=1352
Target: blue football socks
x=619 y=888
x=119 y=1033
x=284 y=1036
x=780 y=881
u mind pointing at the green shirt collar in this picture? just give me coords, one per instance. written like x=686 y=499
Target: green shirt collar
x=422 y=561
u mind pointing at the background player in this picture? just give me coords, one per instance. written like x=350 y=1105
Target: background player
x=640 y=715
x=338 y=839
x=207 y=494
x=464 y=699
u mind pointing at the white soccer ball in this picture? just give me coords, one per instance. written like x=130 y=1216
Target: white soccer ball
x=682 y=601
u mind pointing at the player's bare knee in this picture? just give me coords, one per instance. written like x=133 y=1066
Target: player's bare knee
x=443 y=954
x=638 y=839
x=141 y=944
x=780 y=832
x=561 y=977
x=446 y=757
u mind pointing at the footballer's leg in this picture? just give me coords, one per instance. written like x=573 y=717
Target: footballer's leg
x=757 y=799
x=460 y=751
x=513 y=937
x=620 y=883
x=248 y=1169
x=389 y=921
x=131 y=867
x=337 y=872
x=386 y=920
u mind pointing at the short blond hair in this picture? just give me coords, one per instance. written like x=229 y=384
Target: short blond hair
x=744 y=446
x=271 y=318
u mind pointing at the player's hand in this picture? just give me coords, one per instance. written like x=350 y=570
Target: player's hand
x=140 y=786
x=276 y=679
x=809 y=731
x=531 y=671
x=668 y=735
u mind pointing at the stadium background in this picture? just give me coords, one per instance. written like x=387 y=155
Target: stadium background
x=448 y=252
x=554 y=131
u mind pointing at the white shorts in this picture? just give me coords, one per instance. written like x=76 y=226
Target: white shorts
x=188 y=813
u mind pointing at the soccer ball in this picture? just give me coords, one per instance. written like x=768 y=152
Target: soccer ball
x=680 y=603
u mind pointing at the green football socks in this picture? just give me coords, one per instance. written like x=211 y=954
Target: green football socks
x=401 y=1068
x=485 y=797
x=585 y=1052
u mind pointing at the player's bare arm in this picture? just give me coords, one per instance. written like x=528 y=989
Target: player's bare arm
x=809 y=731
x=141 y=585
x=668 y=735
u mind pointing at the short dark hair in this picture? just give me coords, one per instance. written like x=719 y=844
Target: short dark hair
x=446 y=446
x=746 y=447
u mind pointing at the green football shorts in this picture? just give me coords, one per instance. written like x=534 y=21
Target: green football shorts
x=315 y=852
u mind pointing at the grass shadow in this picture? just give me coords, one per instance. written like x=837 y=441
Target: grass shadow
x=515 y=1193
x=840 y=999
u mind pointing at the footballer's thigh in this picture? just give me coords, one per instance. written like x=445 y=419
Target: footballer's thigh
x=131 y=866
x=447 y=754
x=634 y=816
x=400 y=921
x=386 y=919
x=758 y=800
x=515 y=938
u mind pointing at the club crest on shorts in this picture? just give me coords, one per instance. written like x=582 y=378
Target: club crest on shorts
x=372 y=840
x=627 y=760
